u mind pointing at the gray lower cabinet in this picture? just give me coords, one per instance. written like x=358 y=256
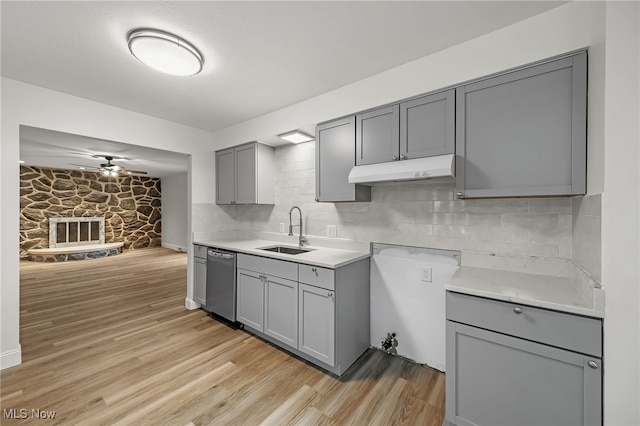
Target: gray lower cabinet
x=245 y=174
x=316 y=323
x=524 y=377
x=335 y=157
x=250 y=298
x=523 y=133
x=268 y=305
x=281 y=310
x=200 y=274
x=319 y=314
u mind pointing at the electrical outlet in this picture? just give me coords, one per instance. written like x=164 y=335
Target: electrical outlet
x=331 y=231
x=426 y=274
x=282 y=227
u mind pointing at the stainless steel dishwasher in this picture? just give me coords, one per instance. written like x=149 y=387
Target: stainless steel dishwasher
x=221 y=283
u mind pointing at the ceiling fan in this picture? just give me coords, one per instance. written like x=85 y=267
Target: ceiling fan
x=110 y=169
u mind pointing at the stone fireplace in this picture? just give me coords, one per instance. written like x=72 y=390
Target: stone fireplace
x=128 y=206
x=75 y=231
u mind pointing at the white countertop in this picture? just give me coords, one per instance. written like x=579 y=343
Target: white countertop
x=318 y=256
x=543 y=291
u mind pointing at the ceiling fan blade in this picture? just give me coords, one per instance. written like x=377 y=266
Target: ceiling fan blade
x=135 y=172
x=85 y=166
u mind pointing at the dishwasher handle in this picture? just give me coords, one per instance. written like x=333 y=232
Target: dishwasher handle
x=219 y=254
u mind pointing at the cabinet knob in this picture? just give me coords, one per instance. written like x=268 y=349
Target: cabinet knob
x=395 y=157
x=517 y=310
x=331 y=295
x=460 y=194
x=403 y=157
x=317 y=200
x=593 y=364
x=314 y=270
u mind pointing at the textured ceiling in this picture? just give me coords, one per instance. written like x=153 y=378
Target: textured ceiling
x=59 y=150
x=259 y=56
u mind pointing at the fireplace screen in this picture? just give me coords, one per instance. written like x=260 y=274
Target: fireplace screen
x=75 y=231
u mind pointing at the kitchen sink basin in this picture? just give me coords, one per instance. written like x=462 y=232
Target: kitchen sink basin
x=286 y=249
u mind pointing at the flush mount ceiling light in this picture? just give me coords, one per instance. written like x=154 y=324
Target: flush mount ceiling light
x=296 y=137
x=165 y=52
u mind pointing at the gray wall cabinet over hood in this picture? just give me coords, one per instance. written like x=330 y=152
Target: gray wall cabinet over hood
x=416 y=169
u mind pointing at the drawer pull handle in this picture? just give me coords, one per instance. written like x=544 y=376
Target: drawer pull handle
x=331 y=295
x=593 y=364
x=517 y=310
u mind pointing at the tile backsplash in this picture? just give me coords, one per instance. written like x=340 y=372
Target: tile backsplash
x=423 y=213
x=587 y=219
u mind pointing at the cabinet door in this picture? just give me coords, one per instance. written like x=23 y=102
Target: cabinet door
x=281 y=310
x=316 y=323
x=245 y=174
x=225 y=177
x=335 y=157
x=523 y=133
x=250 y=302
x=378 y=135
x=427 y=126
x=495 y=379
x=200 y=278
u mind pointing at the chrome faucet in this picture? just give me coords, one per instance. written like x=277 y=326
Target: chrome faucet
x=302 y=239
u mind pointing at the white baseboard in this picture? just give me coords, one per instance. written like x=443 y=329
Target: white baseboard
x=191 y=304
x=175 y=247
x=11 y=358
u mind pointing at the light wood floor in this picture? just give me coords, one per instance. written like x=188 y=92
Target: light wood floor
x=108 y=341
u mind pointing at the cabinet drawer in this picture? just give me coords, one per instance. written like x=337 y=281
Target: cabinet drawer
x=200 y=251
x=316 y=276
x=263 y=265
x=573 y=332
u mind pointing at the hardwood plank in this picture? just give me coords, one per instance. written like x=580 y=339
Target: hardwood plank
x=108 y=341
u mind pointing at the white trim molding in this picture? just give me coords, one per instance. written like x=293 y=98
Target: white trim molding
x=174 y=247
x=11 y=358
x=191 y=304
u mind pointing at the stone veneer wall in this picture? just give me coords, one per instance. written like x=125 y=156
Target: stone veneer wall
x=131 y=205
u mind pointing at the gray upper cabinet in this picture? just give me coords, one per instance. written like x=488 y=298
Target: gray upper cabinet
x=225 y=177
x=378 y=135
x=427 y=126
x=335 y=156
x=523 y=133
x=421 y=127
x=246 y=183
x=245 y=174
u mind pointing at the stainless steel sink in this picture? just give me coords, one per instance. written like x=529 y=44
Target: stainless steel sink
x=286 y=249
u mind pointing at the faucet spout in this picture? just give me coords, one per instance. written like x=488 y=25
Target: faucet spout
x=301 y=239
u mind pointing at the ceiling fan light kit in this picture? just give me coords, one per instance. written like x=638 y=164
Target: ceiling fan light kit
x=165 y=52
x=109 y=169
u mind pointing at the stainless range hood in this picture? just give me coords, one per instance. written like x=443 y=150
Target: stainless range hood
x=404 y=170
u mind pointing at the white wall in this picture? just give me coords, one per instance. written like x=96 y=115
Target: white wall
x=621 y=215
x=175 y=232
x=34 y=106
